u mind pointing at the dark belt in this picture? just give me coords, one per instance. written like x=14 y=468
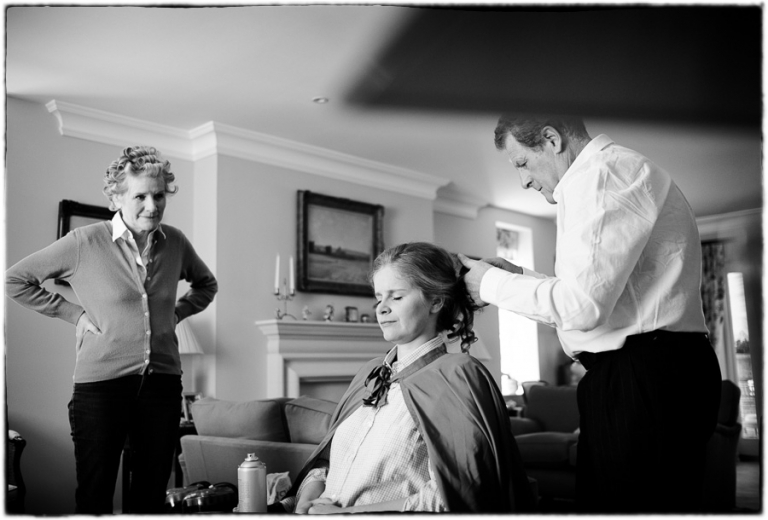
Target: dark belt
x=589 y=359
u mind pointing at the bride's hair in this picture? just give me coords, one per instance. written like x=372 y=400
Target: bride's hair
x=435 y=272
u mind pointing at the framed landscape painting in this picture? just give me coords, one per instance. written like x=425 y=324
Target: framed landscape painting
x=74 y=215
x=338 y=239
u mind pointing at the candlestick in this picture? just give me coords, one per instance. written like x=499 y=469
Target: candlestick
x=277 y=275
x=283 y=296
x=293 y=285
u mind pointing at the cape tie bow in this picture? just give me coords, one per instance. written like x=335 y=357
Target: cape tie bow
x=381 y=378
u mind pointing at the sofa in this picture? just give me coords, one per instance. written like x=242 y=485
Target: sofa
x=547 y=436
x=282 y=432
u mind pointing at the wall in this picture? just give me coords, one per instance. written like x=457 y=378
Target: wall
x=477 y=237
x=42 y=169
x=257 y=221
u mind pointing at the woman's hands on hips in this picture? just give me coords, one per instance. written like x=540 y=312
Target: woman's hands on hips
x=84 y=324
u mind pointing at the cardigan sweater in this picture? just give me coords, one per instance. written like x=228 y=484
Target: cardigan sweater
x=136 y=319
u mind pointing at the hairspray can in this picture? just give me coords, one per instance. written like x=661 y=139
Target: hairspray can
x=252 y=485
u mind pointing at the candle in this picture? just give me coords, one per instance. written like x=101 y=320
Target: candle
x=293 y=285
x=277 y=275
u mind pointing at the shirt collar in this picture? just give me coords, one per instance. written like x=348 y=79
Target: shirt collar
x=400 y=364
x=120 y=230
x=595 y=145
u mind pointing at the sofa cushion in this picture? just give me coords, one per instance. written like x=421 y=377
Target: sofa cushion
x=555 y=408
x=257 y=420
x=546 y=449
x=523 y=425
x=308 y=419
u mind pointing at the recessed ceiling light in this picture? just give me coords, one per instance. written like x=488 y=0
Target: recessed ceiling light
x=320 y=100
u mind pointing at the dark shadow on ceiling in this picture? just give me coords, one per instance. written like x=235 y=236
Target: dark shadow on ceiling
x=683 y=64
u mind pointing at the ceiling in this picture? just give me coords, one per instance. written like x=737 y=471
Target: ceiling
x=422 y=88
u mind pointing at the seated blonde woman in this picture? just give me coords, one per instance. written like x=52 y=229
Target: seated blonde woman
x=418 y=429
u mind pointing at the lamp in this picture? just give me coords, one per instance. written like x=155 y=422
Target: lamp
x=187 y=345
x=187 y=342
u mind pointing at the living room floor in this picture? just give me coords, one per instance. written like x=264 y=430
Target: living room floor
x=748 y=487
x=748 y=492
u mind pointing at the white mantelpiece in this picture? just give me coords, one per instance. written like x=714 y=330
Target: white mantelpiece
x=316 y=351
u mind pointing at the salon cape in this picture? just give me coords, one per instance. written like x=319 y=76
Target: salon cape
x=464 y=422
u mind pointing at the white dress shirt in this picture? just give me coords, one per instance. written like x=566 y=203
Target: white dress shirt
x=628 y=256
x=130 y=248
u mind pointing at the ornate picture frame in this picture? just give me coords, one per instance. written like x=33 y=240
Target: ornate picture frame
x=338 y=239
x=74 y=215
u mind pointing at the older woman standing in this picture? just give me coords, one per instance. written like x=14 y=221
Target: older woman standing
x=127 y=381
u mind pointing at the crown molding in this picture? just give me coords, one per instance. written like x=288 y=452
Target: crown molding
x=728 y=225
x=216 y=138
x=451 y=201
x=105 y=127
x=276 y=151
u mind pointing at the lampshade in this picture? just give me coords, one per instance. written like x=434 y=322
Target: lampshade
x=187 y=342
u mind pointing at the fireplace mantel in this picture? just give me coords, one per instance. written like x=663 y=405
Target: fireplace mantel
x=317 y=351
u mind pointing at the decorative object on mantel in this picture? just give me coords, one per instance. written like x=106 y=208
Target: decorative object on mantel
x=350 y=314
x=328 y=316
x=284 y=295
x=338 y=239
x=74 y=215
x=305 y=313
x=364 y=318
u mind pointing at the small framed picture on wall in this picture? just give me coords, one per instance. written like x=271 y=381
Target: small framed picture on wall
x=338 y=239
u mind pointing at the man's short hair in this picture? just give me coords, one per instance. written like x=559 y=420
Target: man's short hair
x=526 y=129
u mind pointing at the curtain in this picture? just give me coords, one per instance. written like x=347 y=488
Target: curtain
x=713 y=295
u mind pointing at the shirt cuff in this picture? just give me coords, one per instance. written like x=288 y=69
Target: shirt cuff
x=491 y=280
x=312 y=476
x=428 y=499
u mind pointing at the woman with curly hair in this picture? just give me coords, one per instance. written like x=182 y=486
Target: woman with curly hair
x=127 y=382
x=418 y=429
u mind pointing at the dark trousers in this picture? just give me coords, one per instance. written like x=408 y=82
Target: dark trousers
x=646 y=411
x=145 y=410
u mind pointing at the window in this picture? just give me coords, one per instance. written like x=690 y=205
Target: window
x=740 y=334
x=517 y=335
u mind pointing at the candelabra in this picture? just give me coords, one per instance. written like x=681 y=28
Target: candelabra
x=284 y=296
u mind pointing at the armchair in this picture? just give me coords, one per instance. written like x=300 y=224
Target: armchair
x=722 y=453
x=16 y=490
x=527 y=385
x=546 y=437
